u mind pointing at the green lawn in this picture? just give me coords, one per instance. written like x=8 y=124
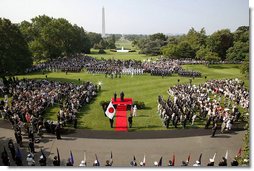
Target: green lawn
x=121 y=56
x=142 y=88
x=124 y=43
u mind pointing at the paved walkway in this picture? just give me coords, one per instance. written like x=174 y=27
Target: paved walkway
x=124 y=149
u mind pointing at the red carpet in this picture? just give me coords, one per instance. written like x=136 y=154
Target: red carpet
x=121 y=118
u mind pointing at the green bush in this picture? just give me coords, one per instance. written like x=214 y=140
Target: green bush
x=140 y=105
x=101 y=51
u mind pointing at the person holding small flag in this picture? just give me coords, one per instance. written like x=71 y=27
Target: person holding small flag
x=143 y=163
x=198 y=162
x=96 y=161
x=172 y=162
x=109 y=162
x=211 y=161
x=71 y=158
x=43 y=159
x=224 y=160
x=186 y=163
x=69 y=163
x=235 y=162
x=83 y=162
x=56 y=161
x=133 y=162
x=158 y=163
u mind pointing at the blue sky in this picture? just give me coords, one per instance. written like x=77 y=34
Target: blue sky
x=135 y=16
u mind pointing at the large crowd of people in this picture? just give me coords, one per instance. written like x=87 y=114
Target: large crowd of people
x=13 y=154
x=188 y=102
x=66 y=64
x=116 y=68
x=216 y=102
x=185 y=73
x=31 y=99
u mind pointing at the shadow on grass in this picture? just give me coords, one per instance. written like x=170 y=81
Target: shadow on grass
x=147 y=108
x=222 y=66
x=142 y=115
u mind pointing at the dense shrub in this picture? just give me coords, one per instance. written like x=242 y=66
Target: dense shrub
x=140 y=105
x=101 y=51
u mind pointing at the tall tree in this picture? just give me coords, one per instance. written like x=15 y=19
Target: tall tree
x=15 y=56
x=242 y=34
x=171 y=51
x=158 y=36
x=181 y=50
x=238 y=52
x=196 y=39
x=50 y=38
x=220 y=42
x=94 y=38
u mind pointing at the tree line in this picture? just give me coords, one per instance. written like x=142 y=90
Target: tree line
x=221 y=45
x=44 y=38
x=47 y=38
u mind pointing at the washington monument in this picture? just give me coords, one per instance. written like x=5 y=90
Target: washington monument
x=103 y=23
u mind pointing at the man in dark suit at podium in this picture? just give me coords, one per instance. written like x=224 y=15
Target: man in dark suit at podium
x=122 y=96
x=115 y=96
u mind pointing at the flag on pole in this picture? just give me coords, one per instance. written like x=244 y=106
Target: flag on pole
x=239 y=152
x=144 y=160
x=188 y=160
x=85 y=156
x=173 y=161
x=111 y=158
x=160 y=162
x=200 y=157
x=58 y=157
x=133 y=162
x=71 y=158
x=96 y=159
x=214 y=156
x=226 y=155
x=43 y=154
x=110 y=112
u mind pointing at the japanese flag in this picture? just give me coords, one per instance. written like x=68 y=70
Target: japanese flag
x=110 y=112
